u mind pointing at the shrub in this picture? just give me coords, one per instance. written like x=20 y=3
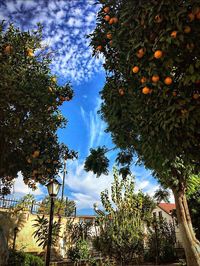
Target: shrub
x=19 y=258
x=79 y=252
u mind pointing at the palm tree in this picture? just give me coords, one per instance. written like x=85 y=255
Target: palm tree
x=162 y=194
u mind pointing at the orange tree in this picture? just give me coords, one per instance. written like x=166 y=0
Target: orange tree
x=29 y=109
x=151 y=98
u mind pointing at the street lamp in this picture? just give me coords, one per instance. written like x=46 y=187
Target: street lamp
x=53 y=188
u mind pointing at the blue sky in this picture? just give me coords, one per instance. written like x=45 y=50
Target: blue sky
x=66 y=24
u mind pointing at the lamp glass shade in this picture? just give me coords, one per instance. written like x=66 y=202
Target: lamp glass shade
x=53 y=188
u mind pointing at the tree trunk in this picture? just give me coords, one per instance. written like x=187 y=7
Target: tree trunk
x=190 y=243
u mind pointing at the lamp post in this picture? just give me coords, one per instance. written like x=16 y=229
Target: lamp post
x=53 y=188
x=16 y=230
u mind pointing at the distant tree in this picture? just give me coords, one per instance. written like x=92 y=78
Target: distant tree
x=65 y=207
x=30 y=98
x=122 y=222
x=25 y=202
x=162 y=194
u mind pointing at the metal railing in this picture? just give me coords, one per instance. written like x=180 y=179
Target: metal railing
x=32 y=207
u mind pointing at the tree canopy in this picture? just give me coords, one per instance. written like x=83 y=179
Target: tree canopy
x=151 y=97
x=29 y=109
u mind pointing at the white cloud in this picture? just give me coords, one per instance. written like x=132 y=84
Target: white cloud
x=21 y=189
x=66 y=24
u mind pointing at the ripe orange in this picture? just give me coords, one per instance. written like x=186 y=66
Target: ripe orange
x=29 y=52
x=36 y=154
x=29 y=160
x=196 y=10
x=174 y=34
x=53 y=79
x=115 y=20
x=111 y=21
x=196 y=96
x=168 y=81
x=155 y=78
x=158 y=19
x=198 y=15
x=158 y=54
x=106 y=9
x=174 y=93
x=99 y=48
x=107 y=18
x=187 y=29
x=191 y=16
x=8 y=49
x=143 y=80
x=135 y=69
x=62 y=98
x=109 y=36
x=140 y=53
x=121 y=91
x=146 y=90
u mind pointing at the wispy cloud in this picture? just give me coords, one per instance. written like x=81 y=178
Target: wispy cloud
x=66 y=24
x=95 y=127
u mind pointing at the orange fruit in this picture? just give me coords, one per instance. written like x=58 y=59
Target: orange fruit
x=99 y=48
x=107 y=18
x=135 y=69
x=36 y=154
x=143 y=80
x=29 y=160
x=106 y=9
x=29 y=52
x=62 y=98
x=187 y=29
x=50 y=89
x=196 y=96
x=196 y=10
x=174 y=34
x=158 y=19
x=121 y=91
x=8 y=49
x=168 y=81
x=146 y=90
x=53 y=79
x=155 y=78
x=140 y=53
x=198 y=15
x=109 y=36
x=174 y=93
x=115 y=20
x=158 y=54
x=111 y=21
x=191 y=16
